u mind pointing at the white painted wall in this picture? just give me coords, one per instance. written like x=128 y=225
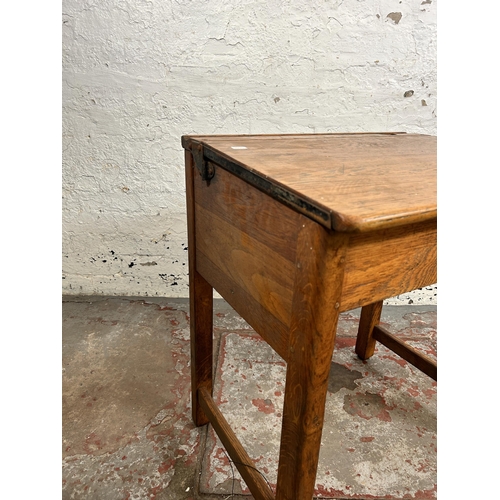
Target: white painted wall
x=138 y=74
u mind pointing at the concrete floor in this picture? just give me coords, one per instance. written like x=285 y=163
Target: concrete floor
x=127 y=430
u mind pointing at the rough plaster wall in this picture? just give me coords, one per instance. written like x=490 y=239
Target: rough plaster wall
x=138 y=74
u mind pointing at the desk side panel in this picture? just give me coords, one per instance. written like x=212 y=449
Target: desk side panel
x=245 y=248
x=386 y=263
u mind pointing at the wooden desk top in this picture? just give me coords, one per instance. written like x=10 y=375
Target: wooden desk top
x=347 y=182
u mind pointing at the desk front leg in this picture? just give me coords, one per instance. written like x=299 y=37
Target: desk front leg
x=316 y=305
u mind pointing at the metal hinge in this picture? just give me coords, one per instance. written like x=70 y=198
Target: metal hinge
x=206 y=169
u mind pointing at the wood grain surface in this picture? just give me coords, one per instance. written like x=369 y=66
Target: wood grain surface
x=388 y=262
x=417 y=358
x=363 y=181
x=245 y=248
x=316 y=304
x=200 y=309
x=369 y=319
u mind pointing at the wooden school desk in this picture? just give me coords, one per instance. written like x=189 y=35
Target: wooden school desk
x=292 y=230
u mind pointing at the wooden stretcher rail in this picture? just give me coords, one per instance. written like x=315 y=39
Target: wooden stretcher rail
x=245 y=465
x=417 y=359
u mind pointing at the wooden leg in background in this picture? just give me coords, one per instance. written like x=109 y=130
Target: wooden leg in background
x=315 y=311
x=200 y=308
x=201 y=313
x=370 y=317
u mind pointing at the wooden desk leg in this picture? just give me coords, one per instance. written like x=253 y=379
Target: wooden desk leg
x=315 y=311
x=370 y=317
x=200 y=310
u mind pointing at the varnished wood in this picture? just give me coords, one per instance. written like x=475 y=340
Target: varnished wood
x=200 y=309
x=188 y=140
x=370 y=317
x=291 y=231
x=250 y=211
x=261 y=320
x=316 y=304
x=407 y=352
x=369 y=332
x=264 y=273
x=363 y=181
x=245 y=465
x=245 y=249
x=388 y=262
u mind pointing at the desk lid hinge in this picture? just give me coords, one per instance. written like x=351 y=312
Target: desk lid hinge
x=205 y=168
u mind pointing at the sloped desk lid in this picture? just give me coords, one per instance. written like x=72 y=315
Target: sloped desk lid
x=347 y=182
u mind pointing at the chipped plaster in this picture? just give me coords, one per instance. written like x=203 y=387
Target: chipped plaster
x=138 y=74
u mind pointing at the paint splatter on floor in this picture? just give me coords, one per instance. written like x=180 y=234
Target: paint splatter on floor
x=379 y=437
x=127 y=429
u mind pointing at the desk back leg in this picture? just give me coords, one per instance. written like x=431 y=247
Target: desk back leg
x=200 y=309
x=316 y=303
x=370 y=317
